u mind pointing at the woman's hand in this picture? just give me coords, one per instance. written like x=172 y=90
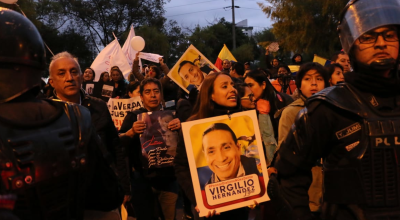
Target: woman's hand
x=161 y=60
x=210 y=213
x=175 y=124
x=138 y=127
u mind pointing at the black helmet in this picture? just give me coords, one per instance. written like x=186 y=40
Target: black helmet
x=21 y=49
x=361 y=16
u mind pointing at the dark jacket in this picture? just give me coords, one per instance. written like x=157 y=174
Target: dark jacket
x=135 y=150
x=105 y=128
x=101 y=119
x=121 y=90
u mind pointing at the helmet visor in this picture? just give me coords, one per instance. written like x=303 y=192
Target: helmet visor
x=364 y=15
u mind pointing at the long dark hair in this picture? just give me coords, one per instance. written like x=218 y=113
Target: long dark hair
x=157 y=70
x=121 y=80
x=269 y=92
x=102 y=76
x=204 y=107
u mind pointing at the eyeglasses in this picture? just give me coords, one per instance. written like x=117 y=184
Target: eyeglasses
x=249 y=97
x=371 y=37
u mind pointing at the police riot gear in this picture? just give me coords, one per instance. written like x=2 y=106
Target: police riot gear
x=22 y=46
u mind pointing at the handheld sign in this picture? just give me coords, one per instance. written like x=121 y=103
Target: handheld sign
x=226 y=161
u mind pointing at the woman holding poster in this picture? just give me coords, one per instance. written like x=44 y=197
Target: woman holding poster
x=217 y=96
x=149 y=183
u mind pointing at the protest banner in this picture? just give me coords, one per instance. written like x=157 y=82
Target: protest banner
x=158 y=142
x=226 y=161
x=191 y=68
x=110 y=56
x=119 y=108
x=150 y=57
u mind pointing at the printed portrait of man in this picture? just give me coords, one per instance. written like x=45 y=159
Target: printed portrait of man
x=191 y=73
x=223 y=155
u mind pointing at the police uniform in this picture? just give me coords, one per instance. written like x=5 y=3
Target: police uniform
x=46 y=147
x=355 y=129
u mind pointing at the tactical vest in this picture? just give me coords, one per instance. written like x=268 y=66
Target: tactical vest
x=44 y=166
x=368 y=174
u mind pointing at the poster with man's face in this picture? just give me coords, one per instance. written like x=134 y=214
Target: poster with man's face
x=191 y=68
x=226 y=161
x=158 y=142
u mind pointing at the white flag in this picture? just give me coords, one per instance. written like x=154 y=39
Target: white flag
x=110 y=56
x=129 y=52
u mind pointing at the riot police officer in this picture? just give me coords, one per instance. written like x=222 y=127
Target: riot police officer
x=353 y=126
x=46 y=147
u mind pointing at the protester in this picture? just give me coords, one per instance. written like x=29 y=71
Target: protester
x=66 y=78
x=246 y=96
x=88 y=75
x=217 y=96
x=104 y=77
x=118 y=82
x=265 y=95
x=335 y=72
x=284 y=82
x=133 y=90
x=268 y=102
x=149 y=184
x=48 y=147
x=350 y=126
x=311 y=78
x=237 y=71
x=247 y=66
x=272 y=66
x=343 y=59
x=297 y=59
x=226 y=66
x=145 y=69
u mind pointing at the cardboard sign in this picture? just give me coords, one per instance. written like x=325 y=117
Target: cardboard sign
x=158 y=142
x=120 y=107
x=191 y=68
x=226 y=161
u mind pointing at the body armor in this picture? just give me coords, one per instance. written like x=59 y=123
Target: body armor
x=44 y=165
x=363 y=176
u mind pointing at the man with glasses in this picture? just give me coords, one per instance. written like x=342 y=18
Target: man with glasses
x=353 y=126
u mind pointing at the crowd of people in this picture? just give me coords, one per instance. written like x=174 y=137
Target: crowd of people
x=329 y=134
